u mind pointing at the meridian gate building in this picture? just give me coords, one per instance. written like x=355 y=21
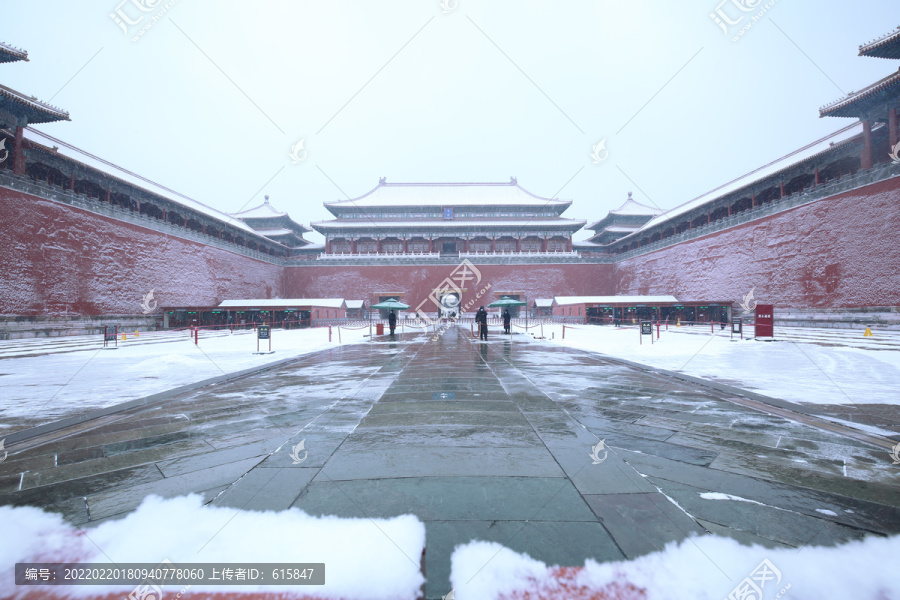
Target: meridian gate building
x=815 y=233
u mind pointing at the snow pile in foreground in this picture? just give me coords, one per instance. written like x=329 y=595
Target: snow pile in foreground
x=369 y=559
x=699 y=568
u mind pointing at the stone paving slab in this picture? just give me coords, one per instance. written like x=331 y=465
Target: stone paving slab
x=777 y=524
x=642 y=523
x=449 y=498
x=472 y=435
x=87 y=468
x=125 y=499
x=266 y=489
x=865 y=515
x=382 y=463
x=884 y=492
x=212 y=458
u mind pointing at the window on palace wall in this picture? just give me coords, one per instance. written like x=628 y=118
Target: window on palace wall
x=531 y=246
x=366 y=247
x=505 y=246
x=392 y=247
x=418 y=247
x=340 y=247
x=556 y=246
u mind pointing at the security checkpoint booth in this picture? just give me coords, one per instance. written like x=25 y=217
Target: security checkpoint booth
x=632 y=310
x=287 y=313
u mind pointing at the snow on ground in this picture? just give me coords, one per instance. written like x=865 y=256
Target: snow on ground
x=826 y=367
x=58 y=378
x=698 y=568
x=364 y=558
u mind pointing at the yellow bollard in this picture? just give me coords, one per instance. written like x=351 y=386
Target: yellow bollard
x=123 y=337
x=868 y=332
x=678 y=324
x=136 y=334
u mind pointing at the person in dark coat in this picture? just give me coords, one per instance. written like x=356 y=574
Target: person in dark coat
x=507 y=319
x=392 y=322
x=481 y=319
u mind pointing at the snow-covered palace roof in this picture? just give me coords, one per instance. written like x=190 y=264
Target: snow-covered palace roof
x=447 y=195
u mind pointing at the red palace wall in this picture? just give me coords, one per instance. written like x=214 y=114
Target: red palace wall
x=56 y=259
x=838 y=252
x=364 y=282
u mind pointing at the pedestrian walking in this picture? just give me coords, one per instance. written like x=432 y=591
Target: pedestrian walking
x=392 y=322
x=507 y=320
x=481 y=319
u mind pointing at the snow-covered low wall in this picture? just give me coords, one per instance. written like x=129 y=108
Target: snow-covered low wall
x=371 y=559
x=699 y=568
x=17 y=328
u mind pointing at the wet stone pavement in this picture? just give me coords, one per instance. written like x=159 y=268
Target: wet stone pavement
x=493 y=441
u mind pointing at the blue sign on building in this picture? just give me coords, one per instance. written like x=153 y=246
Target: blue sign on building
x=448 y=213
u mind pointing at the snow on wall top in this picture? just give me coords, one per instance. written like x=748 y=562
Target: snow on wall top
x=566 y=300
x=543 y=302
x=826 y=143
x=351 y=304
x=94 y=162
x=447 y=195
x=279 y=302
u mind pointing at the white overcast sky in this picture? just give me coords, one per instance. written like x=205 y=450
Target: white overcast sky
x=211 y=99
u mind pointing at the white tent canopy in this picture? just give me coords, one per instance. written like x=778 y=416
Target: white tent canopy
x=568 y=300
x=286 y=302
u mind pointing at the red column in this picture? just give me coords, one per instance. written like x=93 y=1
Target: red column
x=518 y=243
x=493 y=244
x=818 y=179
x=866 y=158
x=405 y=246
x=19 y=161
x=352 y=246
x=107 y=194
x=892 y=127
x=569 y=245
x=782 y=190
x=753 y=201
x=72 y=182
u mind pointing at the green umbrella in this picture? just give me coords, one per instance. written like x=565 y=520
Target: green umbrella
x=506 y=301
x=390 y=304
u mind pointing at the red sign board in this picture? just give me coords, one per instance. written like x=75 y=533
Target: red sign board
x=765 y=320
